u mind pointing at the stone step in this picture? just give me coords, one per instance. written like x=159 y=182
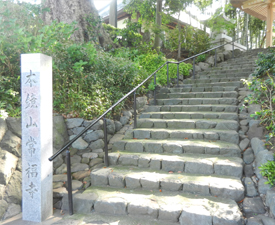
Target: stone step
x=181 y=146
x=221 y=74
x=192 y=108
x=196 y=101
x=187 y=163
x=227 y=94
x=211 y=76
x=232 y=69
x=237 y=84
x=145 y=179
x=198 y=89
x=202 y=134
x=227 y=66
x=163 y=208
x=219 y=124
x=189 y=115
x=211 y=80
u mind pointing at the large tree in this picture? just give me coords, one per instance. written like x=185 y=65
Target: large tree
x=84 y=13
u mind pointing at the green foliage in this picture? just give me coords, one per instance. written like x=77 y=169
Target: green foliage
x=263 y=87
x=268 y=170
x=201 y=58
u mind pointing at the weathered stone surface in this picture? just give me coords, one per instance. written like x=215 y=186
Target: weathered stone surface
x=61 y=169
x=257 y=145
x=203 y=66
x=228 y=168
x=80 y=175
x=79 y=143
x=252 y=206
x=60 y=178
x=14 y=189
x=149 y=182
x=142 y=134
x=254 y=221
x=77 y=130
x=134 y=147
x=243 y=122
x=141 y=102
x=75 y=159
x=248 y=156
x=118 y=126
x=266 y=220
x=194 y=215
x=58 y=139
x=199 y=167
x=244 y=144
x=99 y=177
x=74 y=122
x=3 y=207
x=250 y=187
x=113 y=206
x=144 y=161
x=254 y=108
x=270 y=201
x=94 y=135
x=90 y=155
x=58 y=161
x=132 y=181
x=15 y=126
x=76 y=185
x=79 y=167
x=99 y=144
x=128 y=160
x=172 y=148
x=248 y=170
x=261 y=158
x=11 y=143
x=227 y=55
x=255 y=131
x=8 y=164
x=116 y=180
x=262 y=186
x=153 y=147
x=143 y=207
x=111 y=128
x=97 y=126
x=124 y=120
x=254 y=122
x=210 y=60
x=3 y=129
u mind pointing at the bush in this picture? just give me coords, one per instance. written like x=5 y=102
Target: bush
x=268 y=170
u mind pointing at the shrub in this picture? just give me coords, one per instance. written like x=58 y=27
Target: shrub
x=268 y=170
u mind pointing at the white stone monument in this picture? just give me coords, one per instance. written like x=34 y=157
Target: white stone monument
x=36 y=94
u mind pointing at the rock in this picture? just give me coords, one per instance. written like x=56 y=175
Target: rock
x=13 y=210
x=124 y=120
x=90 y=155
x=250 y=187
x=243 y=122
x=58 y=139
x=14 y=125
x=141 y=102
x=203 y=66
x=79 y=144
x=113 y=206
x=75 y=159
x=197 y=69
x=244 y=144
x=94 y=135
x=99 y=177
x=58 y=161
x=3 y=207
x=257 y=145
x=248 y=170
x=76 y=185
x=211 y=60
x=74 y=122
x=220 y=57
x=60 y=133
x=97 y=126
x=195 y=214
x=11 y=143
x=262 y=187
x=111 y=128
x=60 y=178
x=19 y=165
x=127 y=113
x=248 y=156
x=8 y=163
x=62 y=169
x=116 y=137
x=14 y=189
x=85 y=160
x=266 y=220
x=118 y=126
x=77 y=130
x=254 y=108
x=254 y=221
x=261 y=158
x=79 y=167
x=227 y=55
x=255 y=131
x=252 y=206
x=253 y=122
x=99 y=144
x=3 y=129
x=270 y=201
x=80 y=175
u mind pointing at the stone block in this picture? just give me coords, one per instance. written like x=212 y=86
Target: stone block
x=160 y=135
x=134 y=147
x=155 y=163
x=172 y=164
x=252 y=206
x=15 y=126
x=270 y=201
x=3 y=129
x=133 y=181
x=171 y=184
x=149 y=182
x=228 y=168
x=250 y=187
x=120 y=145
x=116 y=180
x=255 y=131
x=143 y=207
x=11 y=143
x=128 y=160
x=113 y=158
x=98 y=144
x=14 y=189
x=153 y=147
x=112 y=205
x=74 y=122
x=194 y=215
x=248 y=156
x=205 y=124
x=94 y=135
x=199 y=167
x=257 y=145
x=8 y=164
x=196 y=187
x=170 y=213
x=173 y=148
x=142 y=134
x=99 y=177
x=144 y=161
x=263 y=187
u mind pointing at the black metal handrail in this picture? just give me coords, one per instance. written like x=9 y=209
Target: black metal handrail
x=68 y=144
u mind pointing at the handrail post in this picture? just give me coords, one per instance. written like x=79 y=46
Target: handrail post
x=106 y=159
x=215 y=57
x=69 y=182
x=135 y=111
x=155 y=83
x=194 y=68
x=168 y=75
x=178 y=74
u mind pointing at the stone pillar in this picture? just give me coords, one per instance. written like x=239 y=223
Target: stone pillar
x=37 y=140
x=113 y=13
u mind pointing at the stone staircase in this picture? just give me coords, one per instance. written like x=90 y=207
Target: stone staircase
x=183 y=164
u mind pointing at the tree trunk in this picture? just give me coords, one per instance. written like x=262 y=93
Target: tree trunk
x=158 y=24
x=78 y=10
x=179 y=45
